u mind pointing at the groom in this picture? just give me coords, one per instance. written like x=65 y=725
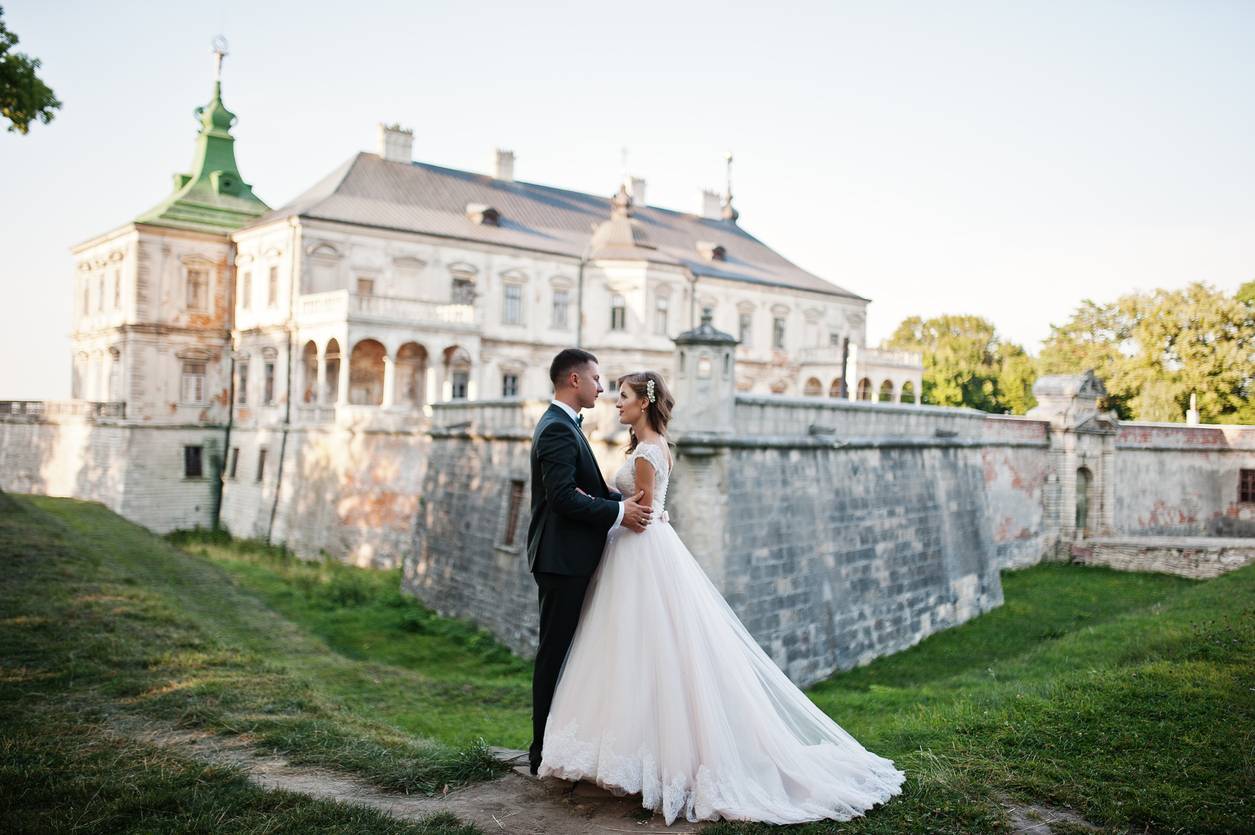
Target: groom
x=568 y=529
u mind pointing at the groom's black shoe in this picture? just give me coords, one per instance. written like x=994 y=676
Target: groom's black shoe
x=534 y=764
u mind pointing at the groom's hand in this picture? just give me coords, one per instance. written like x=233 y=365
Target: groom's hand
x=636 y=516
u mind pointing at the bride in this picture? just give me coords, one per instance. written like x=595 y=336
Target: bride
x=665 y=693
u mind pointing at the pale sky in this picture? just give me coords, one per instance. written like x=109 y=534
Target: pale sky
x=1005 y=159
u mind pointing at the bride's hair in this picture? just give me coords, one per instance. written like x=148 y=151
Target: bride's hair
x=659 y=411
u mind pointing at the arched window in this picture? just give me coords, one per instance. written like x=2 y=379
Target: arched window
x=834 y=389
x=886 y=391
x=309 y=368
x=411 y=382
x=864 y=389
x=366 y=373
x=813 y=388
x=908 y=392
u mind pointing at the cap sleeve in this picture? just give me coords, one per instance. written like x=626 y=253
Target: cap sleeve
x=653 y=454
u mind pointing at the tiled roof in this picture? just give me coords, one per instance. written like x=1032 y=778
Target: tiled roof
x=417 y=197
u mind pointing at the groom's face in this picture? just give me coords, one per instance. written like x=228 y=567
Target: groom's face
x=588 y=385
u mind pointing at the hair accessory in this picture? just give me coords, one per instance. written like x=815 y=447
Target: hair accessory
x=649 y=390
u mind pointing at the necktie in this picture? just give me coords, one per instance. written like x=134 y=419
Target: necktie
x=579 y=419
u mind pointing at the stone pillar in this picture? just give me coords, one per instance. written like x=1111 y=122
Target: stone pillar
x=704 y=387
x=1070 y=402
x=705 y=379
x=320 y=386
x=342 y=395
x=389 y=381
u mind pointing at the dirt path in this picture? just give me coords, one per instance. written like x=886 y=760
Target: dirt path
x=515 y=803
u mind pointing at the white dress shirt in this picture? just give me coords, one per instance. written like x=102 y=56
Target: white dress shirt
x=571 y=413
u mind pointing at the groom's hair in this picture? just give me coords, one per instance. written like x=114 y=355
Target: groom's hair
x=567 y=360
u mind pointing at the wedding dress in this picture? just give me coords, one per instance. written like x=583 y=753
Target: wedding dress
x=664 y=692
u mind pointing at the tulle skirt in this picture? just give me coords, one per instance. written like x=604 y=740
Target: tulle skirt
x=664 y=692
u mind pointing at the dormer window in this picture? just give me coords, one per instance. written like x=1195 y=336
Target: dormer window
x=712 y=251
x=483 y=215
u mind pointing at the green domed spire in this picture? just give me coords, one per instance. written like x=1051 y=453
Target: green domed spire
x=214 y=197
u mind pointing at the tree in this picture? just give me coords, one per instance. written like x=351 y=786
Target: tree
x=1154 y=349
x=967 y=364
x=23 y=96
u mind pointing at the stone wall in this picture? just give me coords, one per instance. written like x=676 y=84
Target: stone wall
x=831 y=551
x=136 y=471
x=1179 y=479
x=1199 y=558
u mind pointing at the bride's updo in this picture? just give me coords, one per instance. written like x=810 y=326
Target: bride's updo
x=659 y=408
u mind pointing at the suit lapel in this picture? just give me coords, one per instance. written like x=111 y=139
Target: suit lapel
x=559 y=414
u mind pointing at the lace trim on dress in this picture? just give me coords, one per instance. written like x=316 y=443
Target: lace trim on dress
x=623 y=774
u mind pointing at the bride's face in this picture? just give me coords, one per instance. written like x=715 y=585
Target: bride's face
x=630 y=405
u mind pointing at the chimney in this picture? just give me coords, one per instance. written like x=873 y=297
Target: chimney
x=636 y=187
x=503 y=169
x=712 y=205
x=396 y=144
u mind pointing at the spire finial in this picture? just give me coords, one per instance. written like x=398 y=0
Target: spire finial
x=729 y=212
x=219 y=52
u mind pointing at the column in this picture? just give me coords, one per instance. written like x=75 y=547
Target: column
x=389 y=381
x=342 y=398
x=320 y=386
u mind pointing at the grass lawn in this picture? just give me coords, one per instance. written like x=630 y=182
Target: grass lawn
x=1127 y=697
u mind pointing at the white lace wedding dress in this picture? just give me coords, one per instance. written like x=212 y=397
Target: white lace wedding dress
x=665 y=693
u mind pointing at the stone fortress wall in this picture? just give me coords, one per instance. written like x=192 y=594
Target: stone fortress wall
x=840 y=530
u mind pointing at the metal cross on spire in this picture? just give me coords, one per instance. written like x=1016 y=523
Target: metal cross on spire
x=220 y=52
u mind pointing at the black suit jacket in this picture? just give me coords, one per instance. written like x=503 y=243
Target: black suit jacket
x=567 y=532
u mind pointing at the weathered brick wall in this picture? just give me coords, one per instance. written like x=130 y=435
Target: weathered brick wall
x=136 y=471
x=833 y=557
x=1176 y=479
x=351 y=493
x=1200 y=558
x=831 y=554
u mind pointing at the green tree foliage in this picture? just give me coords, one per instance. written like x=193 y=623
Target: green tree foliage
x=1153 y=349
x=24 y=98
x=966 y=363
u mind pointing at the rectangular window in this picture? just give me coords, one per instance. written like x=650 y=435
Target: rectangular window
x=197 y=289
x=192 y=462
x=86 y=294
x=117 y=289
x=463 y=291
x=365 y=286
x=246 y=290
x=561 y=302
x=235 y=462
x=272 y=287
x=744 y=325
x=512 y=513
x=193 y=382
x=509 y=385
x=268 y=396
x=777 y=333
x=661 y=319
x=241 y=388
x=618 y=313
x=1246 y=485
x=512 y=313
x=261 y=464
x=459 y=382
x=100 y=294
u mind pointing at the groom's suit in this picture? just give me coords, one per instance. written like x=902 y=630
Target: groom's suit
x=565 y=539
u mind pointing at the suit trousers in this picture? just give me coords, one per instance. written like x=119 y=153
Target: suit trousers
x=561 y=600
